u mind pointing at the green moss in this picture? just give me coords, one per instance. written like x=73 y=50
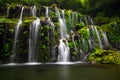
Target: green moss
x=12 y=5
x=25 y=32
x=44 y=47
x=79 y=26
x=10 y=21
x=74 y=53
x=29 y=19
x=3 y=20
x=52 y=14
x=11 y=30
x=71 y=45
x=84 y=33
x=105 y=56
x=5 y=52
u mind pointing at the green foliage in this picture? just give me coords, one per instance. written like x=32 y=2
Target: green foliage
x=44 y=47
x=100 y=20
x=11 y=30
x=69 y=4
x=105 y=56
x=84 y=33
x=113 y=31
x=26 y=1
x=3 y=20
x=28 y=21
x=109 y=7
x=52 y=14
x=74 y=54
x=5 y=50
x=10 y=21
x=79 y=26
x=47 y=38
x=71 y=45
x=12 y=5
x=25 y=32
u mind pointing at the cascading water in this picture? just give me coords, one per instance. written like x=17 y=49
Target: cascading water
x=74 y=18
x=94 y=31
x=83 y=50
x=85 y=20
x=63 y=47
x=69 y=22
x=33 y=39
x=81 y=45
x=17 y=30
x=89 y=20
x=89 y=39
x=90 y=44
x=63 y=32
x=106 y=42
x=98 y=36
x=47 y=12
x=75 y=47
x=63 y=51
x=8 y=10
x=33 y=10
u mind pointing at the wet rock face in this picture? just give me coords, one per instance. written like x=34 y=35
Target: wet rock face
x=14 y=11
x=3 y=10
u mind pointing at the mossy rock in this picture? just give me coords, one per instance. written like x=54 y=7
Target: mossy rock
x=79 y=26
x=9 y=21
x=105 y=56
x=84 y=33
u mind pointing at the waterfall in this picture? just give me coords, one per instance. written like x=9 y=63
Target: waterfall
x=17 y=30
x=57 y=13
x=90 y=21
x=82 y=54
x=63 y=14
x=94 y=31
x=85 y=20
x=63 y=32
x=47 y=12
x=106 y=42
x=90 y=44
x=88 y=32
x=75 y=47
x=8 y=10
x=33 y=40
x=98 y=36
x=69 y=22
x=74 y=18
x=63 y=48
x=83 y=45
x=33 y=10
x=89 y=39
x=63 y=51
